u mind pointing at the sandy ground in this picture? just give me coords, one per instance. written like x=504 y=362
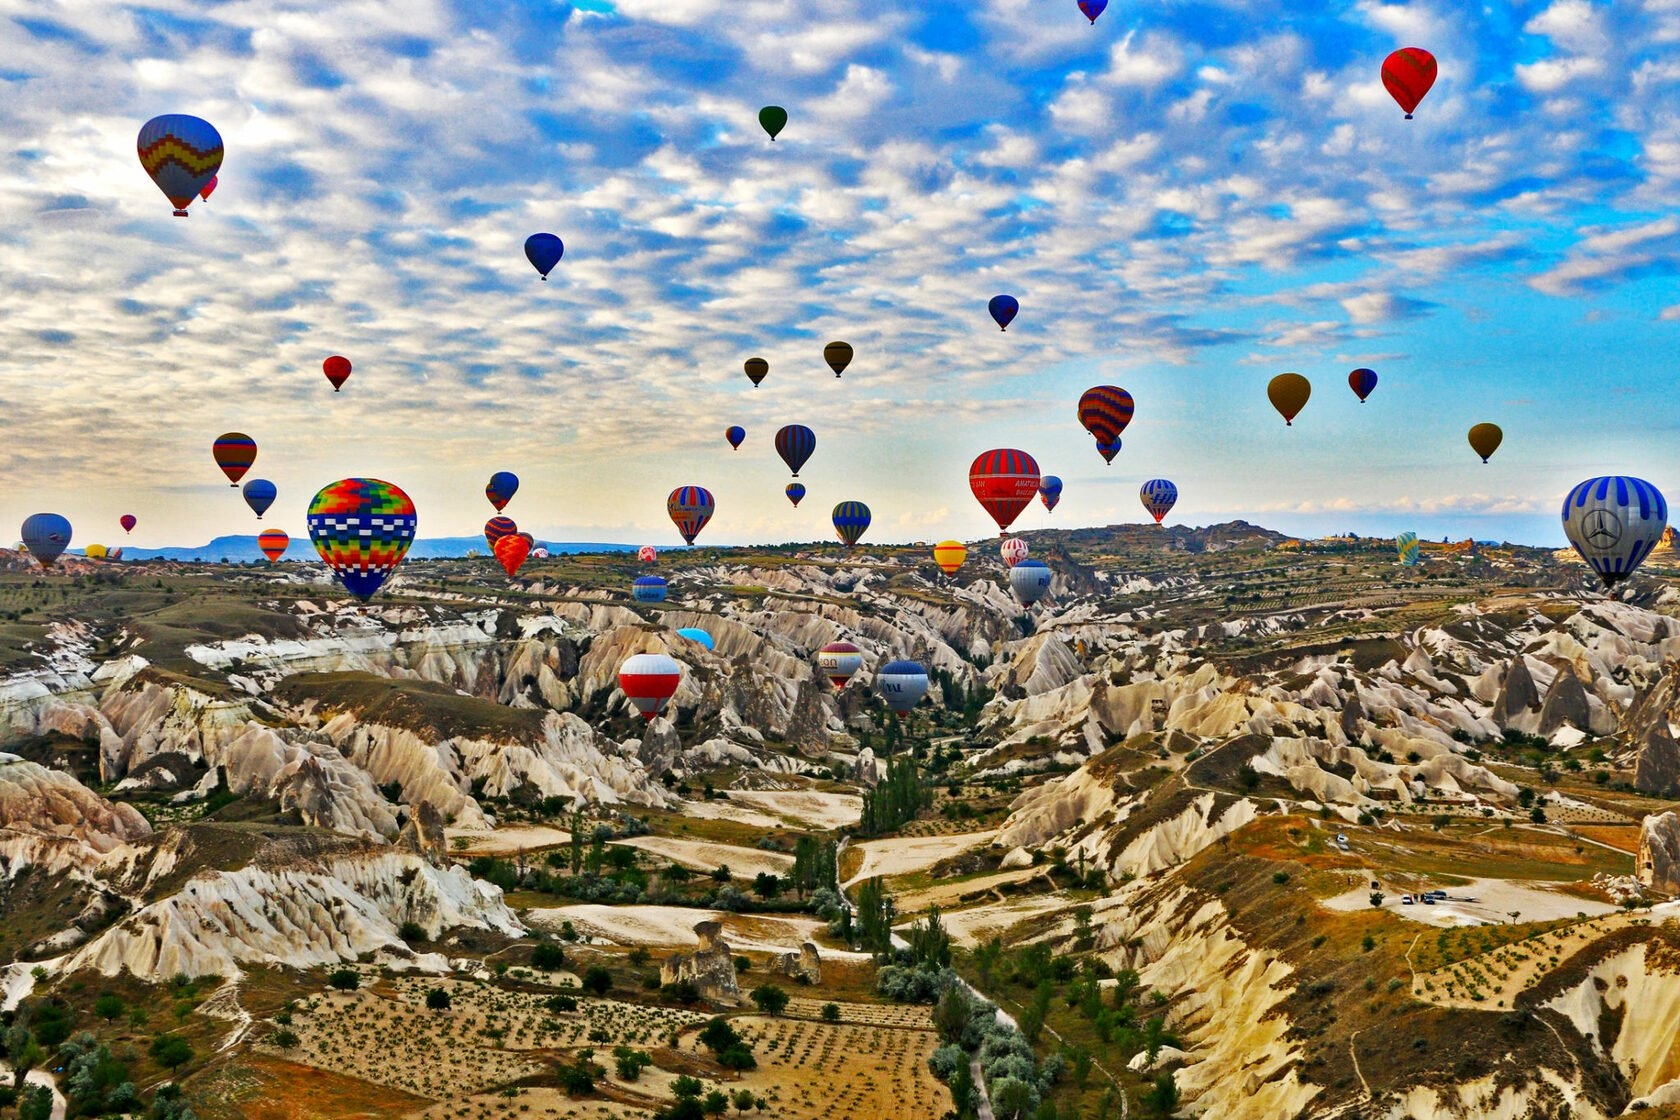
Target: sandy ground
x=506 y=841
x=704 y=856
x=804 y=808
x=672 y=927
x=945 y=895
x=1497 y=899
x=909 y=854
x=725 y=810
x=977 y=924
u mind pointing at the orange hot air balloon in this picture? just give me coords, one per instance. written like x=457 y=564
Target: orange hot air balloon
x=1289 y=393
x=511 y=552
x=1485 y=440
x=273 y=543
x=949 y=555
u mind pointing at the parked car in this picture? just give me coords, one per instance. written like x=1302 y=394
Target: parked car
x=1405 y=900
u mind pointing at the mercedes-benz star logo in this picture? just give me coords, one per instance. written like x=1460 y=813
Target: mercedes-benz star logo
x=1603 y=528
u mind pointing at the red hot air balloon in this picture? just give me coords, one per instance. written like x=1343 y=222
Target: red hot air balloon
x=498 y=527
x=209 y=188
x=511 y=552
x=273 y=543
x=648 y=681
x=128 y=522
x=1004 y=480
x=337 y=370
x=234 y=453
x=1408 y=74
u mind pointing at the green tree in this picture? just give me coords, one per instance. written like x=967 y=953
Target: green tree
x=437 y=999
x=686 y=1086
x=831 y=1012
x=577 y=842
x=171 y=1050
x=1162 y=1098
x=35 y=1103
x=547 y=956
x=630 y=1063
x=597 y=980
x=770 y=999
x=715 y=1104
x=109 y=1006
x=284 y=1038
x=345 y=979
x=743 y=1099
x=930 y=945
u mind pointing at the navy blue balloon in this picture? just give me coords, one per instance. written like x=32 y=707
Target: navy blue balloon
x=46 y=536
x=502 y=487
x=795 y=492
x=544 y=251
x=795 y=443
x=1004 y=309
x=259 y=495
x=735 y=435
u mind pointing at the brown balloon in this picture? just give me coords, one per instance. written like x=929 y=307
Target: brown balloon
x=838 y=355
x=1485 y=439
x=1289 y=393
x=757 y=369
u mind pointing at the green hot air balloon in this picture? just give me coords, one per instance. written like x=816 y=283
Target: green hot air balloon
x=773 y=118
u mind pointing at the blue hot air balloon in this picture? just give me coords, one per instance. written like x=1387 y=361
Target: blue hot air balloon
x=902 y=684
x=502 y=487
x=1614 y=522
x=795 y=492
x=1030 y=580
x=259 y=495
x=182 y=155
x=1050 y=491
x=1108 y=450
x=544 y=251
x=1003 y=309
x=794 y=444
x=46 y=536
x=648 y=589
x=850 y=521
x=698 y=636
x=1362 y=381
x=1158 y=497
x=735 y=435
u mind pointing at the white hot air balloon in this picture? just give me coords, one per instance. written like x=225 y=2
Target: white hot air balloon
x=1614 y=522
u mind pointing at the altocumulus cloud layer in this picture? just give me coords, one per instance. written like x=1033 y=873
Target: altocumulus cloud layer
x=1186 y=198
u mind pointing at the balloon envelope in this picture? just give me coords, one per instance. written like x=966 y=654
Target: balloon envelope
x=1485 y=440
x=209 y=189
x=773 y=118
x=648 y=589
x=182 y=154
x=850 y=521
x=1406 y=544
x=690 y=508
x=697 y=636
x=128 y=521
x=511 y=552
x=234 y=452
x=1108 y=450
x=496 y=528
x=337 y=370
x=1362 y=381
x=735 y=435
x=757 y=370
x=1093 y=8
x=795 y=443
x=1158 y=496
x=949 y=555
x=839 y=662
x=902 y=684
x=362 y=527
x=1104 y=411
x=1288 y=393
x=647 y=554
x=1030 y=580
x=259 y=495
x=795 y=491
x=1050 y=492
x=95 y=552
x=1614 y=522
x=501 y=488
x=1013 y=550
x=273 y=543
x=1408 y=74
x=46 y=536
x=1003 y=309
x=1004 y=480
x=544 y=251
x=648 y=681
x=838 y=355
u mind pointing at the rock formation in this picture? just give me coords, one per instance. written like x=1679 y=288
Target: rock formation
x=710 y=968
x=803 y=966
x=1657 y=768
x=1659 y=852
x=423 y=834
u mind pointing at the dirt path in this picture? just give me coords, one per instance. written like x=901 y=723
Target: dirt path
x=1354 y=1054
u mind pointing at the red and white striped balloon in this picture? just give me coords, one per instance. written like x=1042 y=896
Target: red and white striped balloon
x=1013 y=550
x=648 y=681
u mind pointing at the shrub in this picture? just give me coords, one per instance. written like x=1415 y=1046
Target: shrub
x=831 y=1012
x=558 y=1004
x=597 y=981
x=345 y=979
x=1280 y=877
x=630 y=1062
x=411 y=931
x=547 y=956
x=770 y=999
x=438 y=1000
x=109 y=1006
x=171 y=1050
x=285 y=1039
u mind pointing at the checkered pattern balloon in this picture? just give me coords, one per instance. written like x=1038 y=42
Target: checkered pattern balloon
x=362 y=528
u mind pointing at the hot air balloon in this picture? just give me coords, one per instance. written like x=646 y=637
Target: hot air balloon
x=690 y=508
x=1050 y=492
x=697 y=636
x=511 y=552
x=850 y=521
x=1288 y=393
x=757 y=370
x=539 y=553
x=529 y=539
x=114 y=554
x=1108 y=450
x=1003 y=309
x=1614 y=522
x=95 y=552
x=838 y=355
x=1406 y=544
x=648 y=681
x=1362 y=381
x=647 y=554
x=259 y=495
x=496 y=528
x=1159 y=496
x=839 y=662
x=209 y=188
x=1004 y=480
x=1407 y=74
x=234 y=453
x=337 y=370
x=648 y=589
x=902 y=684
x=273 y=543
x=1485 y=440
x=795 y=443
x=1104 y=411
x=128 y=521
x=949 y=555
x=1030 y=580
x=795 y=491
x=46 y=536
x=1093 y=9
x=774 y=118
x=501 y=488
x=544 y=251
x=1013 y=550
x=735 y=435
x=362 y=527
x=181 y=154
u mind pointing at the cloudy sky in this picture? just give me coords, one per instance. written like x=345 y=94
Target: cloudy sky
x=1187 y=198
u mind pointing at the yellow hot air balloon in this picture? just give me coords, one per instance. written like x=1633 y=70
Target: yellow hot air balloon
x=1289 y=393
x=949 y=555
x=95 y=552
x=1485 y=439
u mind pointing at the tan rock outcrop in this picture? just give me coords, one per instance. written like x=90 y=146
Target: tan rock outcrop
x=710 y=968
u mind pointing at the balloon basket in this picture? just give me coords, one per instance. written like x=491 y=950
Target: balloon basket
x=182 y=214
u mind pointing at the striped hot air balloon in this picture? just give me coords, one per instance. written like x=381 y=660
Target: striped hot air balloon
x=1030 y=581
x=795 y=443
x=795 y=493
x=1158 y=497
x=648 y=681
x=362 y=527
x=182 y=154
x=274 y=543
x=851 y=519
x=690 y=508
x=1004 y=480
x=234 y=452
x=496 y=528
x=949 y=555
x=648 y=589
x=1104 y=411
x=1013 y=550
x=512 y=551
x=1614 y=522
x=1406 y=544
x=501 y=488
x=839 y=662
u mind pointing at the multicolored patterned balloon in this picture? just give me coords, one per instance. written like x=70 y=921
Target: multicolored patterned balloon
x=850 y=521
x=1104 y=411
x=1050 y=492
x=182 y=154
x=690 y=508
x=362 y=527
x=511 y=552
x=795 y=492
x=839 y=662
x=274 y=543
x=234 y=452
x=1092 y=9
x=1408 y=74
x=501 y=488
x=1406 y=544
x=1158 y=497
x=496 y=528
x=1108 y=450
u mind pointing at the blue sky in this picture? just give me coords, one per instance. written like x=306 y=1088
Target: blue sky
x=1187 y=199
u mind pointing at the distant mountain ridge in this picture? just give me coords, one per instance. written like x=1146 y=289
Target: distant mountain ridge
x=239 y=548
